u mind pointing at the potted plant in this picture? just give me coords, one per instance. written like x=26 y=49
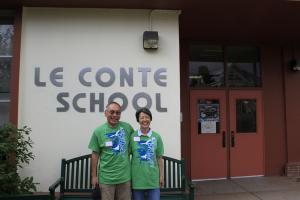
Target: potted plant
x=15 y=151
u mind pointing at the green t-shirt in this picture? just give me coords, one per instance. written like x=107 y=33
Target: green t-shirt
x=144 y=167
x=112 y=145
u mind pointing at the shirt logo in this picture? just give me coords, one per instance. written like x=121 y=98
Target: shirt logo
x=146 y=151
x=118 y=141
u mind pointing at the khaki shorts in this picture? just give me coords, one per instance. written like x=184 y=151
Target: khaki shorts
x=120 y=191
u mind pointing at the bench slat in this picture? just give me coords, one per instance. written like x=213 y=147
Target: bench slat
x=72 y=174
x=165 y=173
x=77 y=173
x=86 y=172
x=169 y=174
x=63 y=174
x=174 y=175
x=178 y=175
x=81 y=173
x=68 y=176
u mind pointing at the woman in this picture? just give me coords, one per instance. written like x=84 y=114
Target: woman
x=147 y=164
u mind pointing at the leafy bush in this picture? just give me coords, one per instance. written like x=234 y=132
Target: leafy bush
x=15 y=150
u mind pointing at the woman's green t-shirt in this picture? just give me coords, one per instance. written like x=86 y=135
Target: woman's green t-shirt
x=144 y=166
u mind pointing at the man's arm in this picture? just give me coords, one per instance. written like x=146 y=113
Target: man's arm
x=95 y=159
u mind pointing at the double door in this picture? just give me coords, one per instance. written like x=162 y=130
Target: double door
x=226 y=134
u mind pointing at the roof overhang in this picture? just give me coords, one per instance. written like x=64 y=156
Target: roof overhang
x=254 y=21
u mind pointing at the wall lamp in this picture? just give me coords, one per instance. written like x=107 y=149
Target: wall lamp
x=150 y=40
x=294 y=65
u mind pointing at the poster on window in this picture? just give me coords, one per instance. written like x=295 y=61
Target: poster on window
x=209 y=116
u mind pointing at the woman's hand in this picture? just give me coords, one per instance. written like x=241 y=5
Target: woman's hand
x=161 y=181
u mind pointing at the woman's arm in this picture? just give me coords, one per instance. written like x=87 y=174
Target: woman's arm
x=161 y=170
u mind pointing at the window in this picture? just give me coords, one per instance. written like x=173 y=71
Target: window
x=6 y=36
x=243 y=67
x=246 y=116
x=207 y=66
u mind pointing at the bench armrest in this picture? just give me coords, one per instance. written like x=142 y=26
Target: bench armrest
x=54 y=186
x=191 y=188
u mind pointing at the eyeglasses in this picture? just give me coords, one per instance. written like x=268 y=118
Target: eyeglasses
x=112 y=112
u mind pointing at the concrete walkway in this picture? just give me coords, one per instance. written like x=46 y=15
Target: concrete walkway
x=257 y=188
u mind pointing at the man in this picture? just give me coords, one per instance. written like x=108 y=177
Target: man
x=109 y=145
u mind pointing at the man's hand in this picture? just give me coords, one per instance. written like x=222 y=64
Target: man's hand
x=95 y=159
x=94 y=181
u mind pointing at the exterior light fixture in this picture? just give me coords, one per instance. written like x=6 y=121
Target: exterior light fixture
x=294 y=65
x=150 y=39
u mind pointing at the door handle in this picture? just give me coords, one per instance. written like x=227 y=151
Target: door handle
x=223 y=139
x=232 y=139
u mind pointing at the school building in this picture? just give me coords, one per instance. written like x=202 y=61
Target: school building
x=221 y=78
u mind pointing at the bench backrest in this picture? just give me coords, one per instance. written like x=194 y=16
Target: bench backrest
x=76 y=174
x=174 y=174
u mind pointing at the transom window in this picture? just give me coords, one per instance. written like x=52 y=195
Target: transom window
x=209 y=67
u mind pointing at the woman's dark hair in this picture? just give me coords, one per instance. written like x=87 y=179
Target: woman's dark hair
x=143 y=110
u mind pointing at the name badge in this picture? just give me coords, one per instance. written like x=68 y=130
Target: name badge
x=108 y=144
x=136 y=139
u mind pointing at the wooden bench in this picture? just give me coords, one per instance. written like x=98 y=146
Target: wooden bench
x=75 y=180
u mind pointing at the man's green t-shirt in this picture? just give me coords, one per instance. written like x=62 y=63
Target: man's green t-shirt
x=112 y=146
x=144 y=167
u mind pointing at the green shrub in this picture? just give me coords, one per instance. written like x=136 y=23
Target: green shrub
x=15 y=150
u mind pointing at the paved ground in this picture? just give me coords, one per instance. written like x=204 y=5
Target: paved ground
x=258 y=188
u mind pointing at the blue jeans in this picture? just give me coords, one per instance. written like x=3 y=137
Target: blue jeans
x=152 y=194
